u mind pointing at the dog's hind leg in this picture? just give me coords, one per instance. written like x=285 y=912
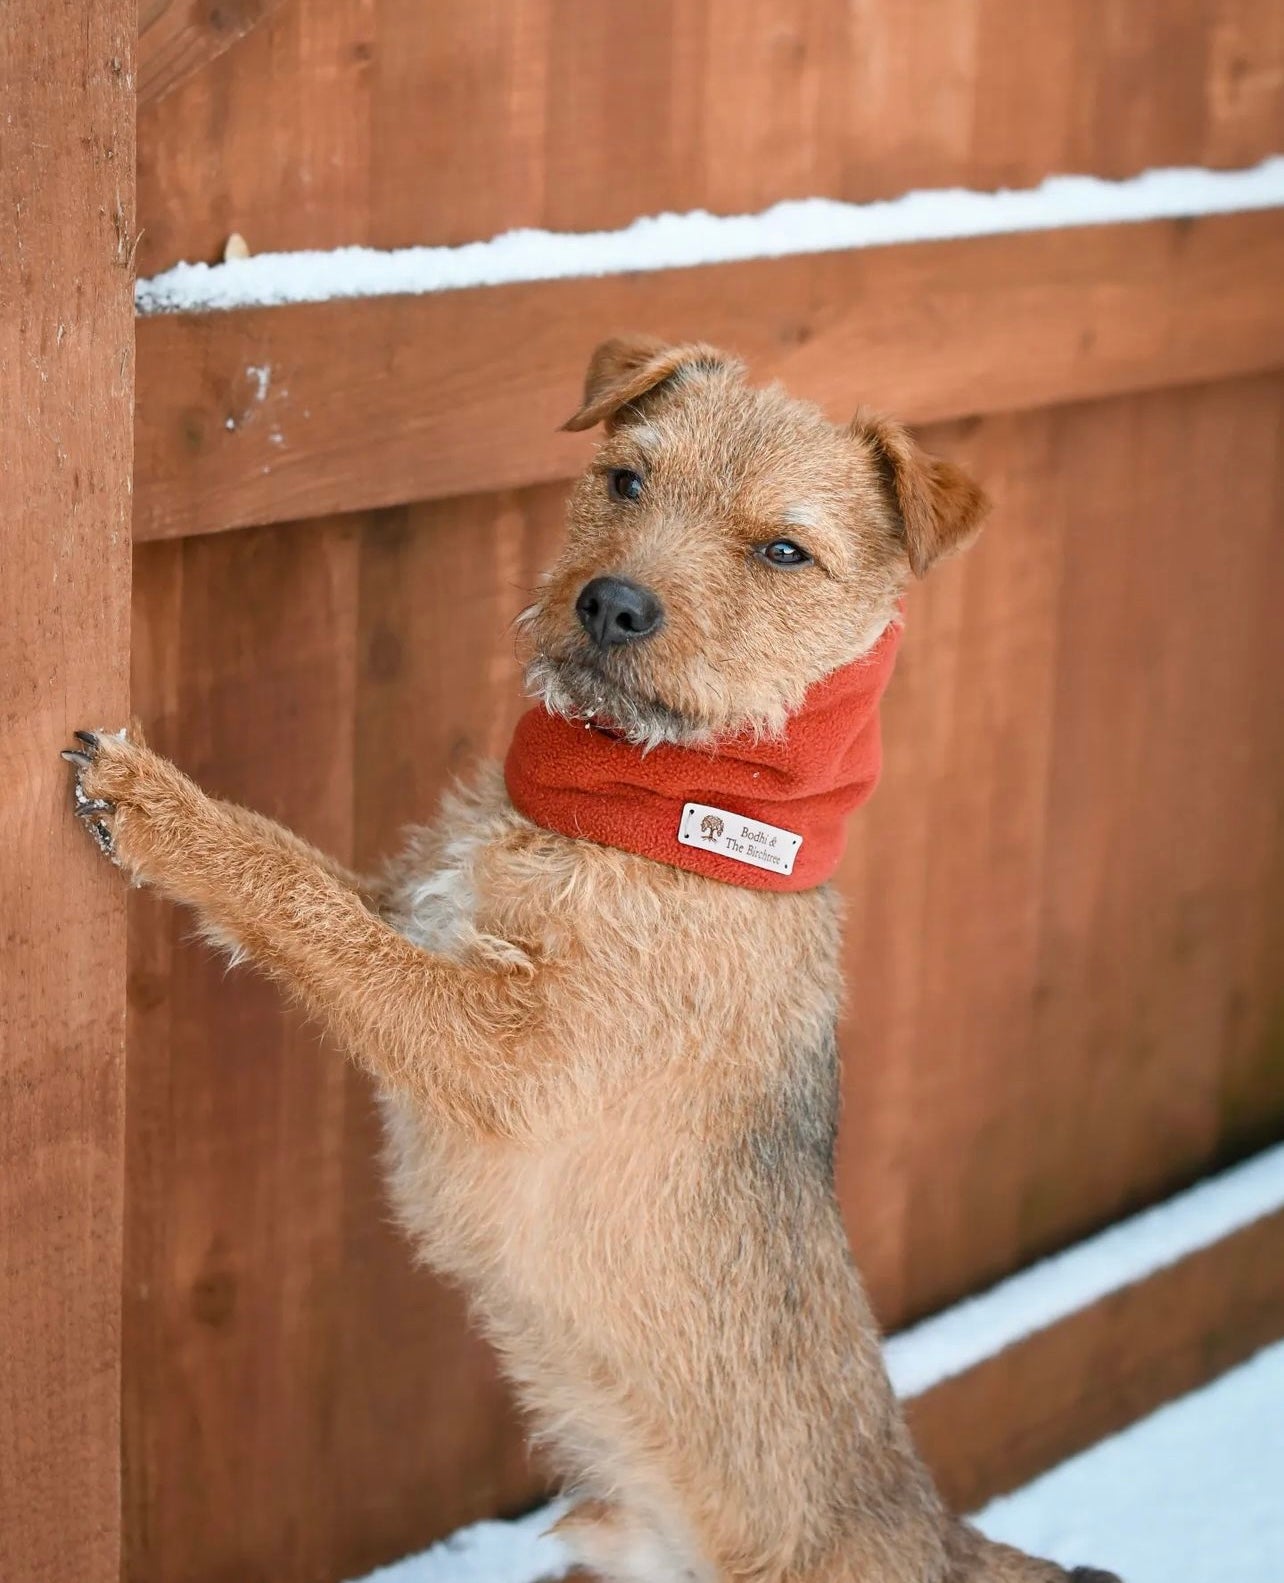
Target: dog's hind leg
x=618 y=1548
x=976 y=1559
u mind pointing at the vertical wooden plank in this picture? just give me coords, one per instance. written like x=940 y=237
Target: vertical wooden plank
x=1243 y=85
x=943 y=873
x=489 y=172
x=1250 y=1098
x=243 y=669
x=439 y=690
x=283 y=115
x=301 y=1401
x=1023 y=112
x=1140 y=68
x=66 y=394
x=1064 y=945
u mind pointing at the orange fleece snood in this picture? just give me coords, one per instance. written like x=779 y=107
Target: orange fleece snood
x=769 y=814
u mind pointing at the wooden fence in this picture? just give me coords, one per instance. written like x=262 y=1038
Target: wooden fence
x=1065 y=904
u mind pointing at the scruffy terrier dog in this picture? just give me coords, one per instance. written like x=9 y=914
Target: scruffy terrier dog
x=604 y=1043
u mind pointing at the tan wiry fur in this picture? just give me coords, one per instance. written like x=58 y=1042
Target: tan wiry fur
x=609 y=1085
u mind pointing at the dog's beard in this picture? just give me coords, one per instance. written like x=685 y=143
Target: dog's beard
x=578 y=689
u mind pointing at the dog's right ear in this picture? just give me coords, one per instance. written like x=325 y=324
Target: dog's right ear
x=939 y=508
x=625 y=369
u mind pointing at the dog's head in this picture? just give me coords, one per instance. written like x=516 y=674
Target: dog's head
x=727 y=547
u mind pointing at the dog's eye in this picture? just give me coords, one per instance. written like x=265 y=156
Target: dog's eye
x=625 y=484
x=784 y=552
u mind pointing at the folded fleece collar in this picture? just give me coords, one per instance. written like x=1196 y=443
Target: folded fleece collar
x=769 y=814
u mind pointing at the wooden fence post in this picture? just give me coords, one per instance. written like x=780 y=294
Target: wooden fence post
x=66 y=431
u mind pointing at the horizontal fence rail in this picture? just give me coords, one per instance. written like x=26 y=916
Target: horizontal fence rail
x=261 y=415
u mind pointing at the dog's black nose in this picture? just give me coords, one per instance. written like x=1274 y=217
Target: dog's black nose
x=615 y=610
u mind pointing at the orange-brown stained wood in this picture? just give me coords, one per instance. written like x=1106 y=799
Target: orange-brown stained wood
x=66 y=395
x=243 y=668
x=1063 y=941
x=943 y=876
x=266 y=414
x=437 y=688
x=1062 y=951
x=336 y=122
x=1066 y=902
x=1060 y=1390
x=301 y=1401
x=177 y=38
x=1163 y=891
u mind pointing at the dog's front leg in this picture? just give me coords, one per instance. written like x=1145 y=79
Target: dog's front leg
x=422 y=1024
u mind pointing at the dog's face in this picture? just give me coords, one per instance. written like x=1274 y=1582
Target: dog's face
x=727 y=548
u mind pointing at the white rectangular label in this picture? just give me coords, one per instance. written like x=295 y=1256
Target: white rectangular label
x=741 y=839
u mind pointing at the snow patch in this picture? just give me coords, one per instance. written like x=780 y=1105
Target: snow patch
x=1192 y=1494
x=516 y=1552
x=681 y=241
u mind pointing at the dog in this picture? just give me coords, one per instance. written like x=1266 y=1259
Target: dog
x=606 y=1055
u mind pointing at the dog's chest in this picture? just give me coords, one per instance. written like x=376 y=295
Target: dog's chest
x=433 y=886
x=436 y=909
x=468 y=885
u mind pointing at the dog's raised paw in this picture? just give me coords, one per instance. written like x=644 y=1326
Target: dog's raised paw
x=94 y=810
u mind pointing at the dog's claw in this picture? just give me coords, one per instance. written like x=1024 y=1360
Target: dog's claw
x=90 y=810
x=84 y=803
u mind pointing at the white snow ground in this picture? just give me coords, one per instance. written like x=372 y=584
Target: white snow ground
x=1195 y=1492
x=516 y=1552
x=678 y=241
x=1192 y=1494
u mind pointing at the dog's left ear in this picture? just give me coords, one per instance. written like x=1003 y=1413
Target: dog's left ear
x=939 y=507
x=625 y=369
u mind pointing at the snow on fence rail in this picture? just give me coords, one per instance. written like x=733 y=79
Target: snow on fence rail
x=961 y=1337
x=679 y=241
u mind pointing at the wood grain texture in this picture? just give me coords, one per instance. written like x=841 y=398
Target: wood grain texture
x=1063 y=955
x=427 y=710
x=66 y=390
x=243 y=670
x=341 y=121
x=1062 y=1389
x=386 y=400
x=301 y=1402
x=177 y=38
x=1064 y=949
